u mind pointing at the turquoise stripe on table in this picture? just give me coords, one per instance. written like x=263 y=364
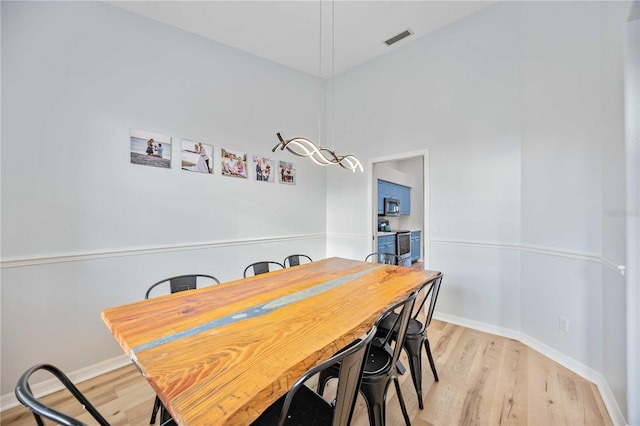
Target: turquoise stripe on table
x=255 y=311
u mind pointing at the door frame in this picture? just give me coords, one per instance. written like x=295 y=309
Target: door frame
x=373 y=202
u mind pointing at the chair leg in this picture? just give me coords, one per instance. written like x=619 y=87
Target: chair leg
x=323 y=377
x=165 y=417
x=433 y=365
x=374 y=394
x=154 y=412
x=38 y=419
x=413 y=346
x=401 y=399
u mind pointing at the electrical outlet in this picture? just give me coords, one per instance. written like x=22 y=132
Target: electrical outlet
x=563 y=324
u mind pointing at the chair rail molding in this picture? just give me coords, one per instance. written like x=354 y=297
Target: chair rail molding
x=548 y=251
x=17 y=262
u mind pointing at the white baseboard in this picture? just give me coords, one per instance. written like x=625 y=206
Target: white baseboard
x=53 y=385
x=577 y=367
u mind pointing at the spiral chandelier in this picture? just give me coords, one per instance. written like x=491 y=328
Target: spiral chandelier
x=304 y=147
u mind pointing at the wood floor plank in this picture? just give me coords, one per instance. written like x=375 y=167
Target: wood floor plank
x=484 y=380
x=483 y=375
x=510 y=400
x=443 y=340
x=453 y=349
x=578 y=401
x=544 y=399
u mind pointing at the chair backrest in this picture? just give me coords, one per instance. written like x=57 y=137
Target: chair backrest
x=261 y=267
x=351 y=361
x=386 y=258
x=294 y=260
x=435 y=290
x=430 y=288
x=182 y=282
x=400 y=324
x=39 y=409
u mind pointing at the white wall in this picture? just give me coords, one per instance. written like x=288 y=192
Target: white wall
x=521 y=108
x=456 y=93
x=632 y=151
x=82 y=228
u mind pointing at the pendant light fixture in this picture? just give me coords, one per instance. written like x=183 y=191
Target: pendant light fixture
x=304 y=147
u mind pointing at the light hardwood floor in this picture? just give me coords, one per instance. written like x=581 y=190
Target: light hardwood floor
x=484 y=380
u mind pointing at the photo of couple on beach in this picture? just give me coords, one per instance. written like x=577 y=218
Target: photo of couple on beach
x=234 y=163
x=264 y=168
x=197 y=157
x=150 y=149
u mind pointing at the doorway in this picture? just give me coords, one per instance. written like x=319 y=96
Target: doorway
x=407 y=169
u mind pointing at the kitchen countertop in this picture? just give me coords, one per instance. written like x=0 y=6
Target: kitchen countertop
x=383 y=233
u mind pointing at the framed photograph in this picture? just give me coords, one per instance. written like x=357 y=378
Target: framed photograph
x=234 y=163
x=287 y=173
x=264 y=168
x=150 y=148
x=197 y=157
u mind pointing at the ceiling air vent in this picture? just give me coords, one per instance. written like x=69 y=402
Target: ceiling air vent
x=397 y=38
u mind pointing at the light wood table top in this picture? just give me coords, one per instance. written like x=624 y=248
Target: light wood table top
x=222 y=354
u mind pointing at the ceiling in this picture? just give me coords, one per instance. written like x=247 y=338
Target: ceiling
x=288 y=32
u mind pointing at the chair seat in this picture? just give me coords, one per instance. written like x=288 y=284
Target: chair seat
x=307 y=409
x=377 y=361
x=414 y=327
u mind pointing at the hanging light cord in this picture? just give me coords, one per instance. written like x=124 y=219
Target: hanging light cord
x=333 y=74
x=320 y=70
x=304 y=147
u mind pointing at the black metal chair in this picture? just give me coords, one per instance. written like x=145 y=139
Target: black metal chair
x=386 y=258
x=40 y=409
x=181 y=283
x=261 y=267
x=381 y=366
x=176 y=284
x=301 y=406
x=294 y=260
x=416 y=334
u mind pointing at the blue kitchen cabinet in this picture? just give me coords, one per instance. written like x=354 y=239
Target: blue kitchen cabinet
x=395 y=191
x=416 y=245
x=392 y=190
x=404 y=195
x=387 y=244
x=381 y=191
x=385 y=190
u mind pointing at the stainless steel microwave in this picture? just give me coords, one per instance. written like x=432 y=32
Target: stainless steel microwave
x=391 y=207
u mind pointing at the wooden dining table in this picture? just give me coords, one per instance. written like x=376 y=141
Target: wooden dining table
x=221 y=355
